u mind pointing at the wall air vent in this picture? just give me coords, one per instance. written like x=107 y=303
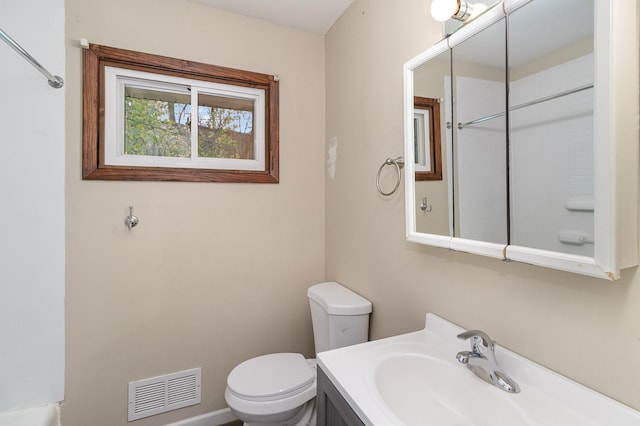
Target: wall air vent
x=164 y=393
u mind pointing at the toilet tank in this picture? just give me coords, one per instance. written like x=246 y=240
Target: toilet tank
x=340 y=317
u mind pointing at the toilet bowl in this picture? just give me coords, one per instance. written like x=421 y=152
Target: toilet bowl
x=275 y=389
x=279 y=389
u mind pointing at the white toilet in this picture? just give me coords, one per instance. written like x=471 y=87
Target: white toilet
x=280 y=389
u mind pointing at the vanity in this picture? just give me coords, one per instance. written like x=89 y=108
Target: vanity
x=415 y=379
x=521 y=136
x=331 y=407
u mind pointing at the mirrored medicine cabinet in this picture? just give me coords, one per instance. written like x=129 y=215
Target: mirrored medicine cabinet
x=538 y=129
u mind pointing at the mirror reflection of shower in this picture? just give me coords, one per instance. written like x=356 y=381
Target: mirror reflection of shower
x=538 y=192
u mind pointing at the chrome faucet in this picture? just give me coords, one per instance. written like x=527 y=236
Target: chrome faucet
x=482 y=361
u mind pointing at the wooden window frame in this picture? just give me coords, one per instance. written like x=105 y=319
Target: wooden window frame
x=96 y=57
x=435 y=143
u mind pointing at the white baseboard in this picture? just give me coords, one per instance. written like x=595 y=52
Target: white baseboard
x=214 y=418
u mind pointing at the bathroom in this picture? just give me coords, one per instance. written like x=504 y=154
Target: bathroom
x=216 y=273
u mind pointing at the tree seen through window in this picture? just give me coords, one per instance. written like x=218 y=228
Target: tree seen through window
x=158 y=123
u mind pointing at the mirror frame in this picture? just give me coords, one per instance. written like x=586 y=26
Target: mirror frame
x=616 y=148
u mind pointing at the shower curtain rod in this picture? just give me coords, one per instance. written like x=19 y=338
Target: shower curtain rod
x=526 y=104
x=54 y=81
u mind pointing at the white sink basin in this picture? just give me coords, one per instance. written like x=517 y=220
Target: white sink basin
x=414 y=379
x=434 y=387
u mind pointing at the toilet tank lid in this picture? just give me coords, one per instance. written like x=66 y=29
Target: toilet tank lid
x=338 y=300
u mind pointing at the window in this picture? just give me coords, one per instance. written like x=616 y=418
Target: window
x=148 y=117
x=426 y=139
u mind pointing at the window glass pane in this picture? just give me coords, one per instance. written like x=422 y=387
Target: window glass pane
x=225 y=127
x=157 y=123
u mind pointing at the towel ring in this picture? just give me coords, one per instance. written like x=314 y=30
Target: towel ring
x=398 y=162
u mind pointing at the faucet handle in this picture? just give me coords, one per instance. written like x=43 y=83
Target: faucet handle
x=477 y=335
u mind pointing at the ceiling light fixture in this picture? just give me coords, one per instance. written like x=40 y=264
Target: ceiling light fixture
x=460 y=10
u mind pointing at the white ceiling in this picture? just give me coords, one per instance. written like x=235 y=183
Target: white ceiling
x=315 y=16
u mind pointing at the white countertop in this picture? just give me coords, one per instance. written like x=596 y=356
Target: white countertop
x=546 y=398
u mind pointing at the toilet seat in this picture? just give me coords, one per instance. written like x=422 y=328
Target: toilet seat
x=275 y=385
x=271 y=377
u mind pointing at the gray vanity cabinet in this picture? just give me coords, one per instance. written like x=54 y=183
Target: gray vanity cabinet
x=332 y=408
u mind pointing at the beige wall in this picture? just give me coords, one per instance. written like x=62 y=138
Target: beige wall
x=185 y=289
x=576 y=50
x=585 y=328
x=215 y=273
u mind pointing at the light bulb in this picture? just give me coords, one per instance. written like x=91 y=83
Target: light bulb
x=441 y=10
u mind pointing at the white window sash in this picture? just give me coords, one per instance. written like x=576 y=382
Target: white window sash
x=115 y=81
